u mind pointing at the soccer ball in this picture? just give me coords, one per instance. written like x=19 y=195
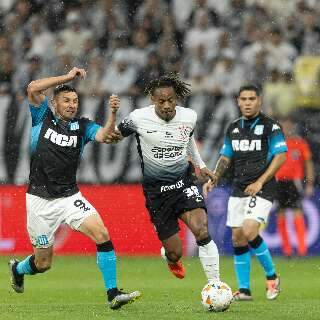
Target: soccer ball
x=216 y=297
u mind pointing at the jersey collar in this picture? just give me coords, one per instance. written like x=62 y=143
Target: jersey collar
x=253 y=122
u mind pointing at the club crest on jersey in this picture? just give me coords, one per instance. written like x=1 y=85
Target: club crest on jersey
x=246 y=145
x=258 y=130
x=61 y=139
x=184 y=132
x=74 y=126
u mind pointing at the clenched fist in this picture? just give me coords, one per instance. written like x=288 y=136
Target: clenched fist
x=114 y=103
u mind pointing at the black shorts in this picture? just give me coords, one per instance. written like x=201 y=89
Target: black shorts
x=288 y=195
x=166 y=202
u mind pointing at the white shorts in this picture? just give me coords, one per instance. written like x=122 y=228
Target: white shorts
x=240 y=209
x=44 y=216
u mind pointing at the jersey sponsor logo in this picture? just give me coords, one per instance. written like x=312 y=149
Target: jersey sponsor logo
x=151 y=131
x=236 y=130
x=42 y=240
x=275 y=127
x=246 y=145
x=74 y=126
x=280 y=144
x=174 y=186
x=258 y=130
x=167 y=152
x=61 y=139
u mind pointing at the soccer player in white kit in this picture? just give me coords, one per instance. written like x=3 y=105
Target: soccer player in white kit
x=165 y=142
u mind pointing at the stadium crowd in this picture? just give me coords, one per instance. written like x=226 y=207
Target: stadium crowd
x=216 y=46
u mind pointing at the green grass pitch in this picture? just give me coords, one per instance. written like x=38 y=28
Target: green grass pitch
x=72 y=289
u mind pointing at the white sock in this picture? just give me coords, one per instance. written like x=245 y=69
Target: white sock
x=209 y=257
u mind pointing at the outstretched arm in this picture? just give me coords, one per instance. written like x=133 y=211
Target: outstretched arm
x=108 y=133
x=196 y=159
x=36 y=88
x=278 y=160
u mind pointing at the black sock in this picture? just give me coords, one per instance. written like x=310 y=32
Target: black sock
x=255 y=243
x=105 y=246
x=33 y=265
x=245 y=291
x=203 y=242
x=111 y=293
x=273 y=277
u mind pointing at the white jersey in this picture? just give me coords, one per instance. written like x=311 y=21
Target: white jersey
x=163 y=146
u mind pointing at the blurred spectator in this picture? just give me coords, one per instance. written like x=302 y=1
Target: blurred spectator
x=152 y=70
x=282 y=101
x=154 y=10
x=42 y=40
x=197 y=63
x=280 y=52
x=168 y=52
x=137 y=53
x=90 y=85
x=74 y=35
x=271 y=92
x=107 y=16
x=169 y=30
x=6 y=73
x=227 y=76
x=307 y=40
x=27 y=72
x=212 y=14
x=257 y=71
x=202 y=33
x=119 y=77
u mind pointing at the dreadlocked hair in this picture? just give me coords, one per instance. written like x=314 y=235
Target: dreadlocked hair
x=169 y=80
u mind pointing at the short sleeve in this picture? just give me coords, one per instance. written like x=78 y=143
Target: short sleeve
x=227 y=149
x=277 y=141
x=38 y=112
x=128 y=126
x=91 y=131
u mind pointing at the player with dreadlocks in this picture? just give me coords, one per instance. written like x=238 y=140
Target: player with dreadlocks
x=165 y=142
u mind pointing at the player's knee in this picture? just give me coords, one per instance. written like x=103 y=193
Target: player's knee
x=101 y=235
x=201 y=231
x=250 y=233
x=239 y=241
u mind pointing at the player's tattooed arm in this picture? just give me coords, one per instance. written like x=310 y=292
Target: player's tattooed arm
x=278 y=160
x=222 y=165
